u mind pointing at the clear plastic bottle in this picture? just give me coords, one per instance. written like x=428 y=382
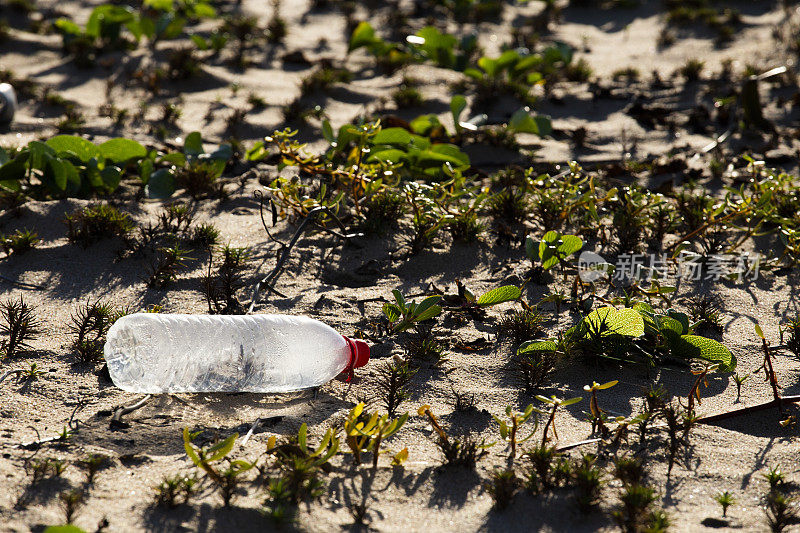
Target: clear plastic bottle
x=158 y=353
x=8 y=103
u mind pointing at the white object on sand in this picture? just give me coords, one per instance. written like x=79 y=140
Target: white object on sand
x=159 y=353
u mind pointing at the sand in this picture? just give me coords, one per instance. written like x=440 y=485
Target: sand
x=323 y=280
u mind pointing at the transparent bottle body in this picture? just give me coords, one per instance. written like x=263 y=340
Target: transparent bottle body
x=158 y=353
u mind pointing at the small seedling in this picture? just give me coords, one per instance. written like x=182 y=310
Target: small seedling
x=463 y=451
x=222 y=286
x=366 y=433
x=165 y=269
x=403 y=315
x=725 y=499
x=510 y=428
x=227 y=481
x=39 y=469
x=554 y=403
x=19 y=242
x=392 y=385
x=92 y=464
x=300 y=467
x=588 y=480
x=775 y=477
x=520 y=325
x=597 y=415
x=548 y=469
x=502 y=487
x=780 y=510
x=629 y=470
x=175 y=490
x=90 y=323
x=739 y=380
x=93 y=223
x=19 y=326
x=71 y=501
x=635 y=513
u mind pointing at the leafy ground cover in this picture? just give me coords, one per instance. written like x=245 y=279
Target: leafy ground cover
x=569 y=231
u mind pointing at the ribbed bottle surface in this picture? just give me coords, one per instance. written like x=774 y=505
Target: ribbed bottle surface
x=157 y=353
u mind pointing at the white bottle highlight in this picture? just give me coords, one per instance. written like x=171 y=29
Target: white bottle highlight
x=158 y=353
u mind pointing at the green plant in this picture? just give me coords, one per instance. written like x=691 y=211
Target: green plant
x=39 y=469
x=502 y=486
x=725 y=499
x=323 y=79
x=509 y=429
x=392 y=385
x=92 y=464
x=71 y=501
x=780 y=510
x=596 y=414
x=553 y=249
x=635 y=513
x=193 y=169
x=19 y=242
x=365 y=432
x=554 y=403
x=467 y=301
x=629 y=470
x=520 y=325
x=536 y=362
x=775 y=477
x=462 y=451
x=792 y=335
x=618 y=334
x=548 y=469
x=705 y=311
x=67 y=165
x=739 y=380
x=226 y=480
x=403 y=314
x=165 y=269
x=588 y=480
x=175 y=490
x=220 y=287
x=276 y=27
x=92 y=223
x=90 y=323
x=299 y=471
x=19 y=324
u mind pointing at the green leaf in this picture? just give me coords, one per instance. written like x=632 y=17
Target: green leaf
x=522 y=122
x=759 y=332
x=697 y=347
x=66 y=26
x=499 y=295
x=193 y=145
x=363 y=35
x=457 y=106
x=394 y=136
x=392 y=312
x=302 y=436
x=121 y=150
x=221 y=449
x=537 y=346
x=428 y=308
x=627 y=322
x=161 y=184
x=74 y=145
x=67 y=528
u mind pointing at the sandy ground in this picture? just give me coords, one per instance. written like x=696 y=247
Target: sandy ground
x=320 y=282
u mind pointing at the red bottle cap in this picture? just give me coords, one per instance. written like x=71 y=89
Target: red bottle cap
x=359 y=352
